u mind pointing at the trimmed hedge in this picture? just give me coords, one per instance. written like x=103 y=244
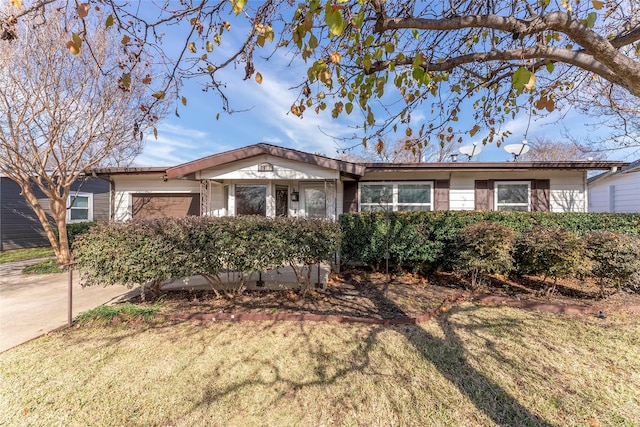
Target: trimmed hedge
x=140 y=252
x=485 y=247
x=426 y=240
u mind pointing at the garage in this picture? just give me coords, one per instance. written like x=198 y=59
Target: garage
x=155 y=205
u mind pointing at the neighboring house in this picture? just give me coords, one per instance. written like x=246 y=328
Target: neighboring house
x=616 y=190
x=267 y=180
x=19 y=225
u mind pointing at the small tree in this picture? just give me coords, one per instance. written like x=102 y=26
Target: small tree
x=551 y=252
x=615 y=258
x=485 y=247
x=61 y=113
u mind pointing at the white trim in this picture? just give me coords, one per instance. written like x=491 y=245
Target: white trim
x=89 y=208
x=496 y=184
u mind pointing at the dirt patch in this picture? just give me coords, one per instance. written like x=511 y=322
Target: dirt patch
x=358 y=293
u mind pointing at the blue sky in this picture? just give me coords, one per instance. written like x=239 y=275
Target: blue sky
x=265 y=117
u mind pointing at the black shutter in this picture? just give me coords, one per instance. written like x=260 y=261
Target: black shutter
x=350 y=196
x=441 y=195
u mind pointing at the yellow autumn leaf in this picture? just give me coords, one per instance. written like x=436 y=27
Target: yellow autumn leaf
x=532 y=82
x=77 y=40
x=192 y=47
x=474 y=130
x=83 y=10
x=238 y=5
x=73 y=48
x=597 y=4
x=184 y=101
x=125 y=80
x=259 y=78
x=335 y=57
x=16 y=3
x=159 y=95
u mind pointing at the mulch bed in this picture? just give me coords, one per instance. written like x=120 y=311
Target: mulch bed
x=360 y=294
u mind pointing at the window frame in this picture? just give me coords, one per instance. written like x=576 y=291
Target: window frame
x=497 y=204
x=71 y=200
x=394 y=203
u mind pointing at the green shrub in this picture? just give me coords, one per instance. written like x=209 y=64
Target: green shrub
x=140 y=252
x=485 y=247
x=615 y=258
x=551 y=252
x=427 y=240
x=76 y=229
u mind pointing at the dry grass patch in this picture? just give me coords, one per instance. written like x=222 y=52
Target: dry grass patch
x=472 y=366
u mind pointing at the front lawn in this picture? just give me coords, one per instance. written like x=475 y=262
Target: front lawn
x=25 y=254
x=472 y=366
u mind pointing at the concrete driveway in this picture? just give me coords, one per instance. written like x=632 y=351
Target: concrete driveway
x=34 y=304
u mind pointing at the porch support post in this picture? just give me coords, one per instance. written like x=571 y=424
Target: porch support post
x=204 y=197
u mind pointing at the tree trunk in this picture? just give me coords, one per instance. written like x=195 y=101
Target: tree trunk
x=32 y=200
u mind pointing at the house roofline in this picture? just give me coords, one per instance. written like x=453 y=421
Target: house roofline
x=497 y=166
x=189 y=168
x=127 y=171
x=628 y=168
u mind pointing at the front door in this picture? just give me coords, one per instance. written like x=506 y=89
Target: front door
x=282 y=200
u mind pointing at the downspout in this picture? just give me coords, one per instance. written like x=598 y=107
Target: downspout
x=325 y=198
x=585 y=184
x=335 y=199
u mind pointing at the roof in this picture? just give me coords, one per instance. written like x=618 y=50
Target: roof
x=498 y=166
x=351 y=169
x=127 y=170
x=628 y=168
x=346 y=168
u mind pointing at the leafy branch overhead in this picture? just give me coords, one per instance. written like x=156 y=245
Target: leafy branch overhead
x=382 y=62
x=499 y=57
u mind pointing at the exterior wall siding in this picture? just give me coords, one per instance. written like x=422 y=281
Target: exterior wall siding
x=20 y=228
x=568 y=194
x=283 y=169
x=19 y=225
x=617 y=193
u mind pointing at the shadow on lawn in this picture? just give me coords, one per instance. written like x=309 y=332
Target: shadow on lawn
x=486 y=395
x=447 y=354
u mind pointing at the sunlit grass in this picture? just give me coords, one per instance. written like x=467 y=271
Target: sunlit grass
x=474 y=366
x=45 y=267
x=24 y=254
x=105 y=314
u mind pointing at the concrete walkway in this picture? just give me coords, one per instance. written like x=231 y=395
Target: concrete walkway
x=34 y=304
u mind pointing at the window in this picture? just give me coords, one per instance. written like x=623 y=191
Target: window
x=396 y=196
x=315 y=202
x=513 y=196
x=80 y=207
x=376 y=197
x=251 y=200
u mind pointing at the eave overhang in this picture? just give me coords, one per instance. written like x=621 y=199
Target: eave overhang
x=190 y=168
